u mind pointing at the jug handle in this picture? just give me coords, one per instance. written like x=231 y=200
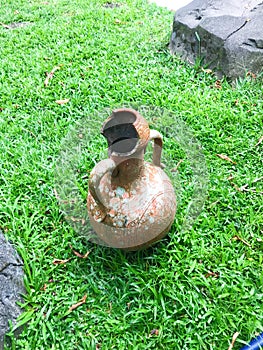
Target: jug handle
x=103 y=167
x=157 y=147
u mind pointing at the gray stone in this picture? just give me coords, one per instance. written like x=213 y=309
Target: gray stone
x=11 y=287
x=223 y=35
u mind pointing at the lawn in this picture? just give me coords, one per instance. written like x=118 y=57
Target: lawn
x=199 y=285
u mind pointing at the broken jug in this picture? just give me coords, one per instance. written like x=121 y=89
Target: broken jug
x=131 y=202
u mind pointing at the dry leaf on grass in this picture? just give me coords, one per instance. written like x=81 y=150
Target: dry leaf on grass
x=50 y=75
x=257 y=179
x=78 y=254
x=212 y=274
x=60 y=261
x=208 y=71
x=177 y=166
x=250 y=74
x=230 y=177
x=82 y=301
x=15 y=25
x=224 y=157
x=259 y=141
x=218 y=84
x=233 y=340
x=5 y=25
x=118 y=21
x=238 y=238
x=154 y=331
x=245 y=188
x=44 y=287
x=62 y=102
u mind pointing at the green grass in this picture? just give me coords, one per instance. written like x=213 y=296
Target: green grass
x=113 y=57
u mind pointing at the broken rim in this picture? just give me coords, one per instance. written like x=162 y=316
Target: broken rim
x=126 y=131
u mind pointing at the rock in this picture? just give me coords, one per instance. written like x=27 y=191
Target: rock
x=223 y=35
x=11 y=287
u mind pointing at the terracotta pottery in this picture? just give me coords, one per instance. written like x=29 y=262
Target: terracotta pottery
x=131 y=203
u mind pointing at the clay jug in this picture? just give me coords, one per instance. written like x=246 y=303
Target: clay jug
x=131 y=202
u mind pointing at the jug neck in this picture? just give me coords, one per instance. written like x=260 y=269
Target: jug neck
x=128 y=169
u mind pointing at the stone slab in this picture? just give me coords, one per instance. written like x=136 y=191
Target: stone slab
x=223 y=35
x=11 y=287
